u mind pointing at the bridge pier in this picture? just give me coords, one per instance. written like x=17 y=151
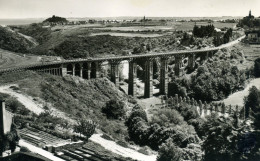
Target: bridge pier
x=58 y=71
x=81 y=71
x=97 y=69
x=63 y=70
x=55 y=71
x=177 y=65
x=88 y=70
x=206 y=55
x=132 y=78
x=73 y=69
x=164 y=76
x=210 y=54
x=148 y=86
x=203 y=57
x=115 y=72
x=191 y=61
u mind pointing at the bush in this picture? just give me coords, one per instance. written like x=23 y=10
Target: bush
x=107 y=137
x=13 y=105
x=167 y=116
x=24 y=149
x=123 y=144
x=169 y=152
x=144 y=150
x=114 y=109
x=85 y=127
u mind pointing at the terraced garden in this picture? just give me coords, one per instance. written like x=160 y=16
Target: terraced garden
x=40 y=138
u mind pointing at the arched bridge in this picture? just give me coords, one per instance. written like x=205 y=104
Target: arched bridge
x=90 y=68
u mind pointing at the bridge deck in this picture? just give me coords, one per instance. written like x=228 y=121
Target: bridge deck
x=115 y=58
x=121 y=58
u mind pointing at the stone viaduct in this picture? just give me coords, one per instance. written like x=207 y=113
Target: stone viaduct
x=90 y=68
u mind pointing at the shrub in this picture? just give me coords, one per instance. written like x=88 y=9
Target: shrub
x=169 y=152
x=13 y=105
x=123 y=144
x=85 y=127
x=114 y=109
x=24 y=149
x=107 y=137
x=167 y=116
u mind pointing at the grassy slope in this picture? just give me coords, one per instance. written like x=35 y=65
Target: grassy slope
x=12 y=41
x=72 y=95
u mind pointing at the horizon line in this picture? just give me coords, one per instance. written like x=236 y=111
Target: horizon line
x=124 y=16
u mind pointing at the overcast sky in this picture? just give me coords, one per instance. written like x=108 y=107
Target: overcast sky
x=113 y=8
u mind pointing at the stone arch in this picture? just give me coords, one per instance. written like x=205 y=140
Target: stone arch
x=77 y=69
x=70 y=69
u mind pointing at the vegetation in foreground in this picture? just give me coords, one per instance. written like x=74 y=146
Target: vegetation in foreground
x=76 y=97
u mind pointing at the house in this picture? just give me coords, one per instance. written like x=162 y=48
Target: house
x=253 y=36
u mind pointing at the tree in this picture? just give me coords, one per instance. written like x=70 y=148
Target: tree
x=14 y=105
x=169 y=152
x=252 y=101
x=85 y=127
x=10 y=140
x=203 y=31
x=257 y=67
x=220 y=142
x=196 y=31
x=114 y=109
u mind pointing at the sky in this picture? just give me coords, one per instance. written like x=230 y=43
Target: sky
x=10 y=9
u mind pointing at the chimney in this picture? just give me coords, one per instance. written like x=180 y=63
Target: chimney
x=2 y=113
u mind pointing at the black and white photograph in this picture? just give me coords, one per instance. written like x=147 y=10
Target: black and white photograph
x=129 y=80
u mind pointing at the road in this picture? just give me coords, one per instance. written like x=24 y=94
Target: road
x=232 y=42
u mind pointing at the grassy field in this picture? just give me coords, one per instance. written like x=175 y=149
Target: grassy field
x=126 y=34
x=186 y=26
x=139 y=28
x=11 y=59
x=172 y=26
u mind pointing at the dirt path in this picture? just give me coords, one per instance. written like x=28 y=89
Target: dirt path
x=237 y=97
x=36 y=107
x=25 y=100
x=29 y=38
x=126 y=152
